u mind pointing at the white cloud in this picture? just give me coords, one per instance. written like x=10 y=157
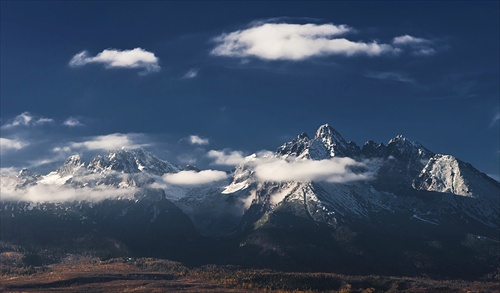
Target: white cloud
x=108 y=142
x=195 y=139
x=409 y=40
x=65 y=149
x=11 y=144
x=191 y=73
x=394 y=76
x=424 y=52
x=55 y=193
x=72 y=122
x=113 y=58
x=9 y=170
x=284 y=41
x=226 y=157
x=194 y=178
x=26 y=119
x=495 y=119
x=416 y=46
x=333 y=170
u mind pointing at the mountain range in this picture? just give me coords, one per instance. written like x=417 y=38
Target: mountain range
x=317 y=203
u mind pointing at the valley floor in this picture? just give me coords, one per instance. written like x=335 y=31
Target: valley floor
x=86 y=274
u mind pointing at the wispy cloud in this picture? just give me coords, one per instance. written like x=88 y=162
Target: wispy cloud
x=197 y=140
x=226 y=157
x=195 y=178
x=108 y=142
x=72 y=122
x=285 y=41
x=417 y=46
x=393 y=76
x=26 y=119
x=409 y=40
x=114 y=58
x=7 y=144
x=495 y=119
x=191 y=73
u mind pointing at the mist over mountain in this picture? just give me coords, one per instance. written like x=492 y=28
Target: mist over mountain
x=317 y=203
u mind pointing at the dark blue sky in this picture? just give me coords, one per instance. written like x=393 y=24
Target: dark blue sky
x=439 y=87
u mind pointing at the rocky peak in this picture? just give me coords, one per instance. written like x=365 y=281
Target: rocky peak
x=373 y=149
x=24 y=173
x=295 y=147
x=401 y=146
x=327 y=143
x=131 y=161
x=71 y=165
x=333 y=143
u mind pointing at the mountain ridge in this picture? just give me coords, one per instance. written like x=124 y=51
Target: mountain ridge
x=380 y=192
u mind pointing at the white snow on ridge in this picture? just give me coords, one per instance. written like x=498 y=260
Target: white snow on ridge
x=53 y=178
x=234 y=187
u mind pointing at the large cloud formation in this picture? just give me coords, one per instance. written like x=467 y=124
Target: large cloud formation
x=113 y=58
x=335 y=170
x=288 y=41
x=284 y=41
x=58 y=193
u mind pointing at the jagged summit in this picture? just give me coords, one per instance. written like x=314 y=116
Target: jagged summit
x=403 y=147
x=131 y=161
x=399 y=191
x=333 y=142
x=327 y=143
x=295 y=147
x=72 y=164
x=25 y=172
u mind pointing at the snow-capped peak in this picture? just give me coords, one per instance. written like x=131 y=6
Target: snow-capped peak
x=403 y=146
x=25 y=172
x=327 y=143
x=131 y=161
x=295 y=147
x=71 y=166
x=331 y=141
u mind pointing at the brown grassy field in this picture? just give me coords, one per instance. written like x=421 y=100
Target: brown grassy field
x=86 y=274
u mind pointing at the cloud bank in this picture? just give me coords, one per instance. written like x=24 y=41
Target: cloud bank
x=194 y=178
x=335 y=170
x=114 y=58
x=55 y=193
